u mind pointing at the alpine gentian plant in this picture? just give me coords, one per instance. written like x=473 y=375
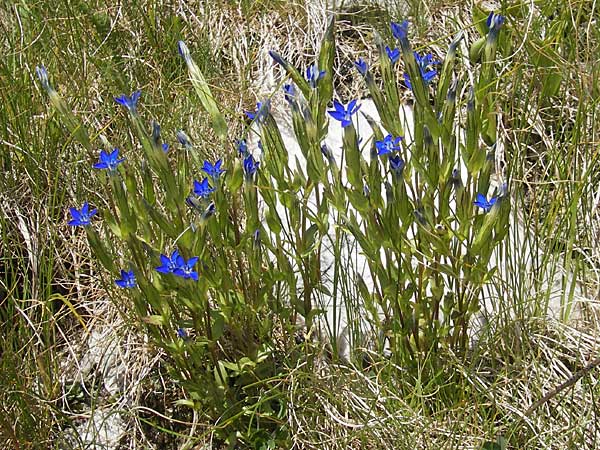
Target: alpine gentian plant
x=393 y=54
x=344 y=114
x=214 y=171
x=129 y=102
x=400 y=30
x=109 y=161
x=483 y=203
x=127 y=280
x=83 y=217
x=250 y=167
x=261 y=113
x=389 y=144
x=202 y=188
x=361 y=66
x=313 y=75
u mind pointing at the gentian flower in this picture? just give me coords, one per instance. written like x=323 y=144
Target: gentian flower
x=261 y=113
x=202 y=189
x=250 y=167
x=313 y=75
x=165 y=147
x=81 y=218
x=342 y=114
x=109 y=161
x=42 y=75
x=388 y=145
x=183 y=139
x=278 y=59
x=242 y=148
x=169 y=264
x=396 y=164
x=400 y=30
x=213 y=171
x=485 y=204
x=394 y=54
x=289 y=92
x=129 y=102
x=185 y=269
x=495 y=21
x=423 y=62
x=361 y=66
x=127 y=280
x=182 y=333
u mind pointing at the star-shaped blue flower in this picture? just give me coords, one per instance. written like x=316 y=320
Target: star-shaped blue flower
x=313 y=75
x=394 y=54
x=81 y=218
x=202 y=189
x=168 y=264
x=361 y=66
x=400 y=30
x=129 y=102
x=185 y=268
x=484 y=203
x=127 y=280
x=177 y=265
x=109 y=161
x=344 y=115
x=388 y=145
x=213 y=170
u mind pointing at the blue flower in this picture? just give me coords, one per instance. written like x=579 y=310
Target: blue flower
x=42 y=74
x=129 y=102
x=342 y=114
x=81 y=218
x=182 y=333
x=213 y=171
x=278 y=59
x=202 y=189
x=423 y=62
x=400 y=30
x=485 y=204
x=361 y=66
x=185 y=269
x=168 y=264
x=388 y=145
x=396 y=164
x=127 y=280
x=177 y=265
x=495 y=21
x=109 y=161
x=313 y=75
x=165 y=147
x=250 y=167
x=289 y=92
x=183 y=139
x=261 y=113
x=242 y=148
x=394 y=54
